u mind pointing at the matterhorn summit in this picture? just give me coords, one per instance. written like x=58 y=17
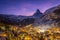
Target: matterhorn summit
x=38 y=13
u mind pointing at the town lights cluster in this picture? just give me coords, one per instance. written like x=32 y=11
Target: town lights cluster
x=29 y=33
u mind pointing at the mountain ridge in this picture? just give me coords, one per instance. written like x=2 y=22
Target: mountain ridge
x=50 y=17
x=18 y=20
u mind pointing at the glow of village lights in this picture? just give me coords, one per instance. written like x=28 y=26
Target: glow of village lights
x=42 y=30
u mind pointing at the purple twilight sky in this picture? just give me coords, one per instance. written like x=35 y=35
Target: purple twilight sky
x=25 y=7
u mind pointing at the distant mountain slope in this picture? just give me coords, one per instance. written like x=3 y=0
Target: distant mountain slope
x=16 y=20
x=19 y=20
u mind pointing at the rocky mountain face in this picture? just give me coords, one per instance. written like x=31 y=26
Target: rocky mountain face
x=54 y=16
x=38 y=13
x=50 y=17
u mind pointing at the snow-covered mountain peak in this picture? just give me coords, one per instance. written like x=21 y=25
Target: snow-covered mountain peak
x=38 y=13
